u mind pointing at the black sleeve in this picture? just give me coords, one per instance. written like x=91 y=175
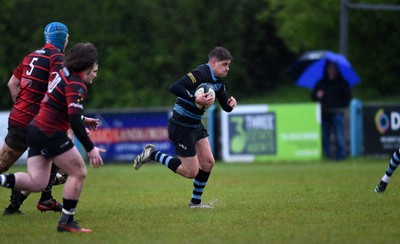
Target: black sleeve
x=223 y=100
x=80 y=132
x=314 y=92
x=183 y=88
x=346 y=94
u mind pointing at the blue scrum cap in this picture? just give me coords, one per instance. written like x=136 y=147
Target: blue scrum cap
x=56 y=33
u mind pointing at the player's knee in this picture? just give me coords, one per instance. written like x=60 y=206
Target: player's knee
x=191 y=174
x=81 y=174
x=208 y=164
x=39 y=185
x=211 y=162
x=78 y=171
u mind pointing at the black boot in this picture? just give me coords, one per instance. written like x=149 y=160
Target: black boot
x=15 y=203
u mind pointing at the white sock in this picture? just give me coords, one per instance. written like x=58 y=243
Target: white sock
x=2 y=180
x=386 y=178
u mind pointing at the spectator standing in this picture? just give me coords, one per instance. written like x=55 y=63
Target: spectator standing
x=334 y=95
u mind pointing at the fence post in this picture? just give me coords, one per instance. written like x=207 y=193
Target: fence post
x=210 y=126
x=356 y=128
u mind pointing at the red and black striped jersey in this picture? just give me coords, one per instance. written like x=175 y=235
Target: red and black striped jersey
x=34 y=73
x=65 y=96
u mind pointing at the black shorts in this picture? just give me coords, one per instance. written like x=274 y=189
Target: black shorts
x=49 y=146
x=16 y=138
x=184 y=138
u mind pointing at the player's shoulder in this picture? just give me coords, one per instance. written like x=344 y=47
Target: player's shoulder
x=202 y=68
x=201 y=73
x=47 y=52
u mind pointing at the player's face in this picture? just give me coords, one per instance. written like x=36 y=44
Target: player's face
x=220 y=68
x=90 y=75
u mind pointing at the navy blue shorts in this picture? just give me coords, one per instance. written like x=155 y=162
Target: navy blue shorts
x=16 y=138
x=47 y=145
x=184 y=138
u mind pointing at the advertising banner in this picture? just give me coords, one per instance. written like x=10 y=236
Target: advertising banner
x=381 y=127
x=271 y=132
x=125 y=134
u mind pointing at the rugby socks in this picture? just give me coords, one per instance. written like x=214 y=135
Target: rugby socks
x=46 y=196
x=199 y=183
x=22 y=198
x=2 y=180
x=7 y=180
x=16 y=200
x=167 y=160
x=394 y=163
x=68 y=210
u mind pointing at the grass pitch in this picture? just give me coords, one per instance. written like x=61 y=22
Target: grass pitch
x=282 y=202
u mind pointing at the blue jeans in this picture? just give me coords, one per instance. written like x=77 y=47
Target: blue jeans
x=334 y=122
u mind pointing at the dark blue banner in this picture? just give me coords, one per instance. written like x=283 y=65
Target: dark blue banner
x=381 y=126
x=125 y=134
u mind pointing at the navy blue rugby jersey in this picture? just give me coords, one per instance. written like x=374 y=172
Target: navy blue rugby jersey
x=185 y=112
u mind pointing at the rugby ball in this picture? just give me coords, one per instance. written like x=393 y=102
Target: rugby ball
x=201 y=89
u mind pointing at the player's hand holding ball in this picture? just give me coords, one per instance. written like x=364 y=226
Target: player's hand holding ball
x=205 y=96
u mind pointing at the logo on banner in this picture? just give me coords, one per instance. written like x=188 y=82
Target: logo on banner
x=384 y=122
x=253 y=133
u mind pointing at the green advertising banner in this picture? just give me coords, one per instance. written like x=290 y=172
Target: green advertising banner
x=271 y=132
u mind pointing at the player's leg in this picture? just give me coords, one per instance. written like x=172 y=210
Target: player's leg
x=339 y=130
x=393 y=164
x=73 y=164
x=34 y=180
x=13 y=148
x=46 y=201
x=206 y=163
x=326 y=137
x=8 y=157
x=184 y=144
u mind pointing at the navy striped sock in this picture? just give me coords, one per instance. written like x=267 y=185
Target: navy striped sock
x=199 y=183
x=167 y=160
x=394 y=163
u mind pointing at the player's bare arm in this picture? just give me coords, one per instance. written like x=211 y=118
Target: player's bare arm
x=13 y=86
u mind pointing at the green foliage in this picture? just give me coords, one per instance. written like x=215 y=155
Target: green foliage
x=145 y=46
x=305 y=25
x=372 y=39
x=280 y=202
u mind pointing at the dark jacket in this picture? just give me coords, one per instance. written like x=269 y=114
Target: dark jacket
x=337 y=95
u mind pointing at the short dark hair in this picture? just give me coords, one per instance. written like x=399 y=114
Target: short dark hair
x=220 y=53
x=81 y=57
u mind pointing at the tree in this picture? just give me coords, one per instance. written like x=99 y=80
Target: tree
x=313 y=25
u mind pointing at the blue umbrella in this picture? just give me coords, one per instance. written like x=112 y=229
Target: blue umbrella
x=309 y=68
